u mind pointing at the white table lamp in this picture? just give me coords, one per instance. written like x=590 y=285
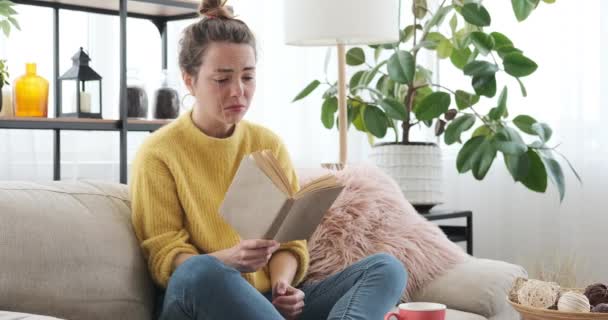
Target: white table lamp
x=341 y=23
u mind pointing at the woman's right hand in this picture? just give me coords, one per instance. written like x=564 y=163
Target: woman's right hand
x=248 y=255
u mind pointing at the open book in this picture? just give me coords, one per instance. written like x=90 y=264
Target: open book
x=261 y=203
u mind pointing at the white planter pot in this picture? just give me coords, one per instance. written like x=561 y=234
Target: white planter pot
x=416 y=168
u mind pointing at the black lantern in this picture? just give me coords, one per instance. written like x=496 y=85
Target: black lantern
x=80 y=89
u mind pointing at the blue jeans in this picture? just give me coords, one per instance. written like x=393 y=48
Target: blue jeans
x=204 y=288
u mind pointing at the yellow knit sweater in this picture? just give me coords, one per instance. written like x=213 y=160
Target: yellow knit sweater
x=179 y=179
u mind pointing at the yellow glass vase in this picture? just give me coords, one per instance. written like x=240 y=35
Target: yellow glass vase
x=31 y=94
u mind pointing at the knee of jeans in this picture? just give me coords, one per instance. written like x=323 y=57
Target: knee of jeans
x=391 y=268
x=202 y=272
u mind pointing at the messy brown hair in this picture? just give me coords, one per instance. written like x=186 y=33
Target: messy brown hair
x=218 y=24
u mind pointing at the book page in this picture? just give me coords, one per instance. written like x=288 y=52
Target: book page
x=306 y=214
x=327 y=181
x=276 y=166
x=252 y=202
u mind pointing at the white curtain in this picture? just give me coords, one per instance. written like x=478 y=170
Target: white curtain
x=511 y=223
x=567 y=40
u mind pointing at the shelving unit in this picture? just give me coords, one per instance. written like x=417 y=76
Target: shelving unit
x=159 y=12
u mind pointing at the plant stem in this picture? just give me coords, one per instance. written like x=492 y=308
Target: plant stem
x=444 y=88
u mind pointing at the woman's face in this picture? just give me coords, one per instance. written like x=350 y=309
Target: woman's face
x=225 y=83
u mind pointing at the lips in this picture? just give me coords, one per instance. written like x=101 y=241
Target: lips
x=235 y=108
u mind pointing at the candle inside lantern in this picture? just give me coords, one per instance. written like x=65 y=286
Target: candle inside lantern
x=85 y=102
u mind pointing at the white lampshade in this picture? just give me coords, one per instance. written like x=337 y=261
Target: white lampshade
x=348 y=22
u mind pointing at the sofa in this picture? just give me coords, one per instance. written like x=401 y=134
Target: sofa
x=67 y=251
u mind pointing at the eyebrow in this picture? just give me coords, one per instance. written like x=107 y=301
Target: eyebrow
x=228 y=70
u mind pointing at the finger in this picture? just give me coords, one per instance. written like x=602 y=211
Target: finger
x=282 y=287
x=258 y=243
x=286 y=300
x=251 y=254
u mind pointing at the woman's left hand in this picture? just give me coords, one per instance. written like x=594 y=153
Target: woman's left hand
x=289 y=301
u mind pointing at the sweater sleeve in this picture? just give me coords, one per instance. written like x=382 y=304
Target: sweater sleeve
x=298 y=248
x=157 y=217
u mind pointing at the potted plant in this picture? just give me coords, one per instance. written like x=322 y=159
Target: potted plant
x=397 y=93
x=7 y=19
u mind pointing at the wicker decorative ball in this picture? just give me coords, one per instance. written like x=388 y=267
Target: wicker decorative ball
x=573 y=302
x=538 y=294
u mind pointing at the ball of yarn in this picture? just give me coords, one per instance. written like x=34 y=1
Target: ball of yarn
x=538 y=294
x=597 y=293
x=573 y=302
x=602 y=308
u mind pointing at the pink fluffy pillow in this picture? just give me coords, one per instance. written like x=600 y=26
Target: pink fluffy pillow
x=370 y=216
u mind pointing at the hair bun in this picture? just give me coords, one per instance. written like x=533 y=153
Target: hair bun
x=216 y=8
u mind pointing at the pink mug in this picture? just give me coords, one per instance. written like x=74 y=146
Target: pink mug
x=418 y=311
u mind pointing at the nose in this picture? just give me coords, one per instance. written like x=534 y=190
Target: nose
x=237 y=88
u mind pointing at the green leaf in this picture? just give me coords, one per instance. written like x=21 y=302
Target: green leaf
x=482 y=131
x=518 y=65
x=542 y=130
x=465 y=99
x=375 y=121
x=524 y=92
x=524 y=123
x=401 y=67
x=432 y=40
x=555 y=172
x=408 y=32
x=331 y=91
x=501 y=109
x=480 y=68
x=486 y=153
x=438 y=17
x=467 y=154
x=518 y=165
x=6 y=28
x=357 y=118
x=578 y=177
x=444 y=49
x=309 y=88
x=504 y=51
x=434 y=105
x=522 y=9
x=419 y=8
x=454 y=23
x=457 y=127
x=485 y=85
x=355 y=57
x=509 y=141
x=328 y=110
x=476 y=14
x=355 y=80
x=394 y=109
x=14 y=22
x=370 y=75
x=549 y=1
x=460 y=57
x=483 y=42
x=500 y=40
x=421 y=94
x=536 y=179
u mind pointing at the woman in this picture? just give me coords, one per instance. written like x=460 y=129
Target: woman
x=180 y=177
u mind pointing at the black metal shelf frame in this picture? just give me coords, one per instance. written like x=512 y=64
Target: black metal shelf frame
x=122 y=125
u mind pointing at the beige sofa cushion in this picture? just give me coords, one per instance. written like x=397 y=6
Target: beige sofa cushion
x=4 y=315
x=67 y=250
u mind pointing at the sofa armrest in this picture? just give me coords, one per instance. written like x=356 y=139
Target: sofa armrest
x=479 y=286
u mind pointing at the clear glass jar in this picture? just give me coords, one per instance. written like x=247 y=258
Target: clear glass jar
x=166 y=100
x=137 y=98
